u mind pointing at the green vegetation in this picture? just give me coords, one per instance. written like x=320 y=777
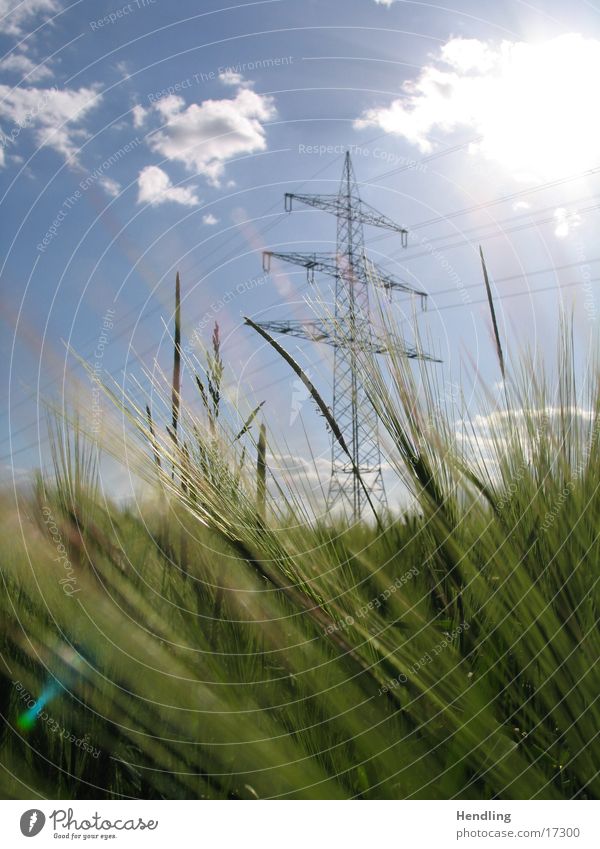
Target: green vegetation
x=219 y=641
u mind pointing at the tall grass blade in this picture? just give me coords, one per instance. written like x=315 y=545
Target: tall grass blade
x=488 y=289
x=324 y=409
x=261 y=472
x=176 y=390
x=155 y=450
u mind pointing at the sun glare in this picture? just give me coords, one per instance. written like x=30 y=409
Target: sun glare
x=538 y=113
x=532 y=104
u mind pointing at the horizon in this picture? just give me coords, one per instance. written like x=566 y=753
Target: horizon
x=119 y=172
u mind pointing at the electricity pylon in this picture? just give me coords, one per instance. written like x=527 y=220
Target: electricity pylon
x=350 y=332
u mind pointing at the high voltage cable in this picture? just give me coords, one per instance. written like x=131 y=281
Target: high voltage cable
x=511 y=218
x=438 y=309
x=484 y=237
x=429 y=222
x=269 y=226
x=230 y=255
x=503 y=199
x=414 y=256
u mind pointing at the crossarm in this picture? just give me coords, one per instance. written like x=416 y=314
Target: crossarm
x=359 y=211
x=316 y=330
x=325 y=262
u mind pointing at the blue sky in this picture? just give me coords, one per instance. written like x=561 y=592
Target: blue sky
x=145 y=137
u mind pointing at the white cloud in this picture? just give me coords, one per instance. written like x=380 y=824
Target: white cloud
x=55 y=116
x=22 y=65
x=384 y=2
x=139 y=115
x=231 y=78
x=295 y=469
x=530 y=104
x=205 y=136
x=501 y=423
x=110 y=186
x=484 y=437
x=210 y=220
x=521 y=204
x=122 y=68
x=565 y=222
x=155 y=187
x=467 y=55
x=17 y=15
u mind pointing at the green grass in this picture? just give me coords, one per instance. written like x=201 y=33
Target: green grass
x=210 y=646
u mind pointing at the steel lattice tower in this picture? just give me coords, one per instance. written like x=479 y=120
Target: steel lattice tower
x=349 y=331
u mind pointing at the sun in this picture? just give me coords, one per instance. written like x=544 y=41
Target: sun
x=531 y=105
x=537 y=115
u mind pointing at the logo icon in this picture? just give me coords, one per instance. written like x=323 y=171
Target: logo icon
x=32 y=822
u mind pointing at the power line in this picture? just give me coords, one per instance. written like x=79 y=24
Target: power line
x=513 y=218
x=231 y=255
x=419 y=225
x=359 y=482
x=414 y=256
x=485 y=237
x=450 y=246
x=412 y=166
x=443 y=308
x=503 y=199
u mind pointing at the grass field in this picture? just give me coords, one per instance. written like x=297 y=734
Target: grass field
x=214 y=641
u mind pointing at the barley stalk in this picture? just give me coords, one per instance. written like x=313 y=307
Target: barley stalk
x=176 y=390
x=320 y=404
x=493 y=314
x=261 y=473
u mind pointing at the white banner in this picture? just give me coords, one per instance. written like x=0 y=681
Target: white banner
x=301 y=825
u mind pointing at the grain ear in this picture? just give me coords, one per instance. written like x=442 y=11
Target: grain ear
x=176 y=389
x=153 y=437
x=323 y=408
x=493 y=314
x=261 y=473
